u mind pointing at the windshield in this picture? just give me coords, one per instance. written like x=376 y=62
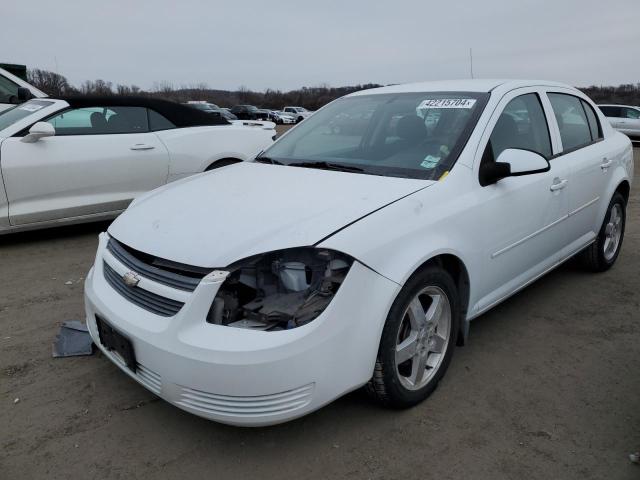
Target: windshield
x=11 y=116
x=413 y=135
x=8 y=90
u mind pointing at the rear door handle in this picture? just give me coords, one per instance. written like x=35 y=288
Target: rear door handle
x=558 y=185
x=605 y=163
x=142 y=146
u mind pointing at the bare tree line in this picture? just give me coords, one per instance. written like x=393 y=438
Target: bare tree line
x=312 y=98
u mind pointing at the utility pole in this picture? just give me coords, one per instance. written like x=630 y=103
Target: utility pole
x=471 y=61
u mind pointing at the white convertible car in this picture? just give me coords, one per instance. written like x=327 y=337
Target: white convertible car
x=358 y=256
x=85 y=159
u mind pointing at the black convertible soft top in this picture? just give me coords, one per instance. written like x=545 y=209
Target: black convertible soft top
x=178 y=114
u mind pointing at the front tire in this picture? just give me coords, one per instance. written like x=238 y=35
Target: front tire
x=602 y=254
x=417 y=341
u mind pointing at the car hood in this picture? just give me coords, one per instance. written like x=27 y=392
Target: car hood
x=216 y=218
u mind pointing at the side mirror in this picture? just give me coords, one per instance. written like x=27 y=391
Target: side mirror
x=513 y=162
x=39 y=130
x=24 y=94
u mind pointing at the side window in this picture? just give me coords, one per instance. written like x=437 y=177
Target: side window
x=522 y=124
x=100 y=121
x=8 y=90
x=594 y=124
x=158 y=122
x=630 y=113
x=572 y=121
x=611 y=111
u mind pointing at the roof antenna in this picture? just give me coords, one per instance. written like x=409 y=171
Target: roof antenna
x=471 y=61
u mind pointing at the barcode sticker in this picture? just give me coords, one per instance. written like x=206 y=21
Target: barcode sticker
x=447 y=103
x=30 y=108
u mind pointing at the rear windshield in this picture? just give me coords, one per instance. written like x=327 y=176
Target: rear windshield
x=413 y=135
x=11 y=116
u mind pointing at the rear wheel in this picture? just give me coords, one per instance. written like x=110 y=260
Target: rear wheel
x=417 y=340
x=602 y=254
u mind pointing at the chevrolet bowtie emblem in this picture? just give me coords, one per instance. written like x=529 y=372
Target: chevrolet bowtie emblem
x=130 y=279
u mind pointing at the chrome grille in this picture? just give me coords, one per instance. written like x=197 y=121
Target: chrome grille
x=152 y=302
x=175 y=275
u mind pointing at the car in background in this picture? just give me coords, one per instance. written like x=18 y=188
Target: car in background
x=14 y=90
x=201 y=105
x=358 y=257
x=264 y=114
x=212 y=109
x=282 y=118
x=245 y=112
x=624 y=118
x=299 y=113
x=83 y=159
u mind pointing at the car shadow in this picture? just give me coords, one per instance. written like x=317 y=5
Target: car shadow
x=53 y=233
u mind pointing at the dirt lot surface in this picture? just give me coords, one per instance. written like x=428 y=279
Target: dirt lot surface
x=548 y=388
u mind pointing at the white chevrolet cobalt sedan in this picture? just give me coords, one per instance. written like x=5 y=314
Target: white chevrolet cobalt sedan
x=357 y=256
x=85 y=159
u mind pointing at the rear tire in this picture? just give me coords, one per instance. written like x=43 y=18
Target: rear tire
x=417 y=341
x=602 y=254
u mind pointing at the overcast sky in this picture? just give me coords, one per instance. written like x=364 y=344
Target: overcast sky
x=285 y=44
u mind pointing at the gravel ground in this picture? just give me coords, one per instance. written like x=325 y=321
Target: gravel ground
x=547 y=388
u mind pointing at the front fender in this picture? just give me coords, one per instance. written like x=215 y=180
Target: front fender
x=401 y=237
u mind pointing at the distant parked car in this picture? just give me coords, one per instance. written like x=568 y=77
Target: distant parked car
x=85 y=159
x=282 y=118
x=212 y=109
x=204 y=106
x=245 y=112
x=264 y=114
x=299 y=113
x=624 y=118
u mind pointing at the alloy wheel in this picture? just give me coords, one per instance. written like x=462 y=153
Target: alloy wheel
x=423 y=336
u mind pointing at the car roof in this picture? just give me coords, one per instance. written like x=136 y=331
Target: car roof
x=468 y=85
x=178 y=114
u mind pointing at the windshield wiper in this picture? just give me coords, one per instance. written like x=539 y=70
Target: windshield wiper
x=270 y=160
x=322 y=165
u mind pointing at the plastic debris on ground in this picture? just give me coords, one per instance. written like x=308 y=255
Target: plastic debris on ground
x=73 y=340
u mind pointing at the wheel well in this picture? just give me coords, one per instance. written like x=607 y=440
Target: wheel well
x=456 y=268
x=623 y=189
x=223 y=162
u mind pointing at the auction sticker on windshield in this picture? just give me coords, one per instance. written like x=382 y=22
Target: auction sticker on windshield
x=447 y=103
x=30 y=107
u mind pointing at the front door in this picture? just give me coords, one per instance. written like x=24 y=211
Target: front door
x=523 y=216
x=98 y=161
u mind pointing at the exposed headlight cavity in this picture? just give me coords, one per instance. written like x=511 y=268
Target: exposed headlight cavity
x=279 y=290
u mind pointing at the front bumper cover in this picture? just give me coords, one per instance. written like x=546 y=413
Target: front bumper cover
x=245 y=377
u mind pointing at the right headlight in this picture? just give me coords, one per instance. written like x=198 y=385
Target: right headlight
x=279 y=290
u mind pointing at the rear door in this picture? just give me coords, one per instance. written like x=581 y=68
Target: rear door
x=98 y=161
x=585 y=152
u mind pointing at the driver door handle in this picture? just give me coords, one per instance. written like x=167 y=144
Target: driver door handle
x=142 y=146
x=558 y=185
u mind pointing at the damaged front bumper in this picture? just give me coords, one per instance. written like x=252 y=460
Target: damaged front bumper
x=239 y=376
